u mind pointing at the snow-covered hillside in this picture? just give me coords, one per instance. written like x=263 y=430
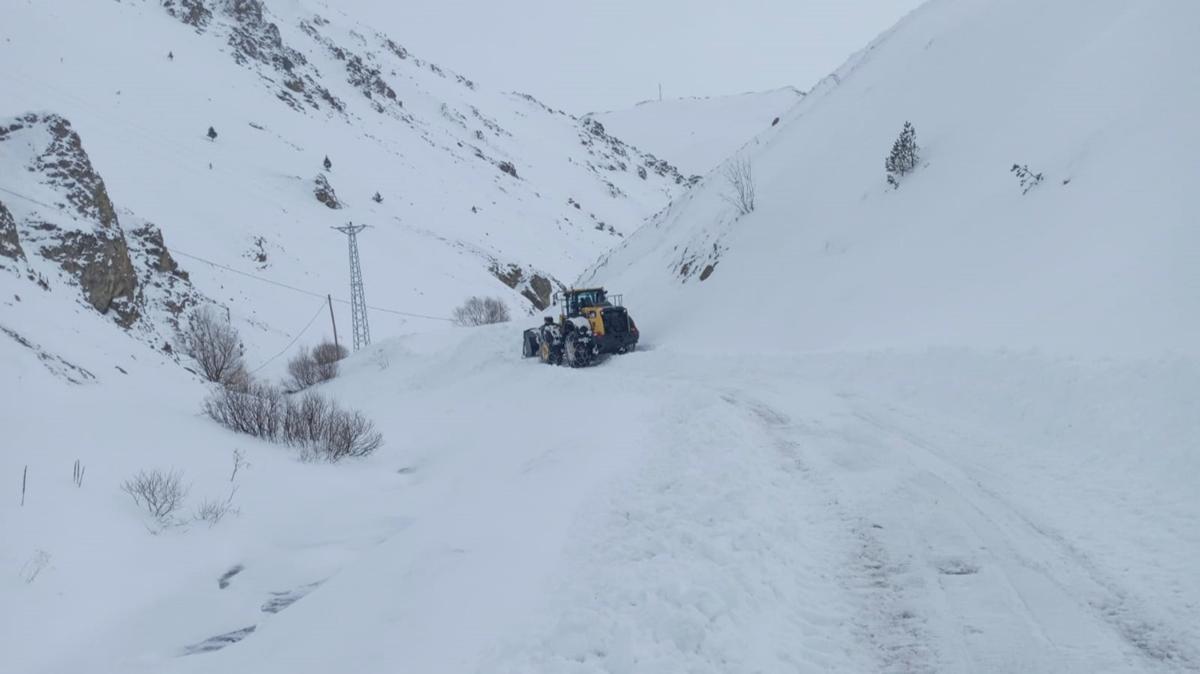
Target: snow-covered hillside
x=476 y=189
x=1096 y=97
x=697 y=134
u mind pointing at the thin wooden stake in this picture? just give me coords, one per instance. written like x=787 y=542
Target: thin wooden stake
x=336 y=346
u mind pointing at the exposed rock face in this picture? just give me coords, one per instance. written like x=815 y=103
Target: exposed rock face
x=66 y=166
x=534 y=286
x=324 y=192
x=610 y=153
x=90 y=246
x=191 y=12
x=68 y=219
x=101 y=265
x=253 y=38
x=10 y=243
x=159 y=257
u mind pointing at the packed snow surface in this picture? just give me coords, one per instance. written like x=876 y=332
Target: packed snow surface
x=935 y=510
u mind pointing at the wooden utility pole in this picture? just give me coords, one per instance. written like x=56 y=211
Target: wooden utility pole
x=334 y=323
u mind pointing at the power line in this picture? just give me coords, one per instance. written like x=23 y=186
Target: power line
x=302 y=290
x=227 y=268
x=320 y=308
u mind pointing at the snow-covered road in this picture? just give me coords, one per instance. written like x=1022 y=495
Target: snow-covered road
x=941 y=511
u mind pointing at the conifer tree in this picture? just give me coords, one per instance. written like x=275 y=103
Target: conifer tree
x=904 y=156
x=328 y=164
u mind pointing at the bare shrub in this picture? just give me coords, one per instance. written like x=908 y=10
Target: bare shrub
x=327 y=354
x=313 y=367
x=257 y=409
x=739 y=177
x=481 y=311
x=302 y=372
x=320 y=428
x=348 y=433
x=305 y=419
x=212 y=511
x=161 y=494
x=215 y=346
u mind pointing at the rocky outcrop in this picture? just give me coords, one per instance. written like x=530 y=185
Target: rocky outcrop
x=534 y=286
x=89 y=245
x=610 y=153
x=66 y=218
x=191 y=12
x=255 y=39
x=102 y=266
x=324 y=192
x=10 y=243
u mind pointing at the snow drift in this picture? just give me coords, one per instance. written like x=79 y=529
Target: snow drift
x=1098 y=97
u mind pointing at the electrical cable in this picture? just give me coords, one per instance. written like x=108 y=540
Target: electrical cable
x=256 y=277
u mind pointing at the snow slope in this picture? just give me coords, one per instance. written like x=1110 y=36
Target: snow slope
x=1096 y=259
x=697 y=134
x=285 y=84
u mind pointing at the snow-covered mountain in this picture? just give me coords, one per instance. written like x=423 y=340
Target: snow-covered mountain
x=698 y=133
x=945 y=427
x=467 y=190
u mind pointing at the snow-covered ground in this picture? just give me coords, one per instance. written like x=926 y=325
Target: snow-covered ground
x=697 y=134
x=936 y=510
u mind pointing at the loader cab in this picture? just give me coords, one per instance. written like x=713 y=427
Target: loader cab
x=573 y=302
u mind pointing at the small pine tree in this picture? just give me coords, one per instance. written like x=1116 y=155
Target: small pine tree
x=904 y=157
x=378 y=198
x=212 y=133
x=328 y=164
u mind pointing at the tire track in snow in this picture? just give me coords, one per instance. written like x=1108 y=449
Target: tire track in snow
x=1062 y=614
x=713 y=555
x=886 y=621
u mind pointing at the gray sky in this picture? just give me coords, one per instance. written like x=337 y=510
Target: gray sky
x=606 y=54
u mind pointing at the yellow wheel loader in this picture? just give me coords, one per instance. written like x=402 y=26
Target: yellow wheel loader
x=590 y=323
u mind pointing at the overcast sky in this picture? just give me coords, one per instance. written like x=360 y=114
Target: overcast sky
x=607 y=54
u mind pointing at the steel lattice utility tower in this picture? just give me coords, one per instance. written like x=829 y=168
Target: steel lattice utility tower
x=358 y=300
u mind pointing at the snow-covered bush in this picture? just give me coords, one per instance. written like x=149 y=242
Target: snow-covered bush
x=739 y=178
x=313 y=367
x=1028 y=178
x=302 y=371
x=481 y=311
x=904 y=156
x=212 y=511
x=160 y=493
x=305 y=419
x=346 y=434
x=256 y=409
x=311 y=422
x=215 y=346
x=327 y=354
